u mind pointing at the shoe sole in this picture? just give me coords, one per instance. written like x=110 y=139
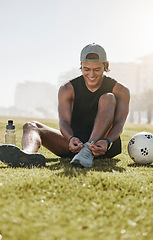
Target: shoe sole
x=77 y=163
x=14 y=157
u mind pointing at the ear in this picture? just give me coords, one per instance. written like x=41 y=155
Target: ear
x=106 y=67
x=80 y=66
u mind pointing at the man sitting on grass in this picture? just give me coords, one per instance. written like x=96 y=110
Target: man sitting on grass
x=92 y=111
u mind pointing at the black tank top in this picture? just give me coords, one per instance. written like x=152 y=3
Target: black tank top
x=86 y=105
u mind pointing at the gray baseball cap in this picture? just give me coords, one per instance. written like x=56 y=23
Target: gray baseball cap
x=93 y=48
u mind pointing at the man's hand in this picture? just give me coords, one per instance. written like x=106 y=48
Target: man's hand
x=75 y=145
x=99 y=148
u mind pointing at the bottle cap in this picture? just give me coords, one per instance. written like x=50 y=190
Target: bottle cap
x=10 y=125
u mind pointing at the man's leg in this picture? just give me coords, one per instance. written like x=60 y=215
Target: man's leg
x=36 y=134
x=103 y=122
x=104 y=118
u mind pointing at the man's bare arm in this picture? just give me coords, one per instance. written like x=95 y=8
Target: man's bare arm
x=122 y=96
x=65 y=101
x=65 y=105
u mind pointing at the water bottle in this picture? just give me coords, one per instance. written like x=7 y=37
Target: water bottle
x=10 y=135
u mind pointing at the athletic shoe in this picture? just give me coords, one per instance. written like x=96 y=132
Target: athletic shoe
x=84 y=158
x=14 y=157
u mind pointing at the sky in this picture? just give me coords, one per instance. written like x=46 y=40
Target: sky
x=42 y=39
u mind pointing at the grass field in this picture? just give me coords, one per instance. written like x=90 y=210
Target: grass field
x=111 y=201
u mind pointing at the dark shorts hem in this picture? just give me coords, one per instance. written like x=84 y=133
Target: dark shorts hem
x=114 y=151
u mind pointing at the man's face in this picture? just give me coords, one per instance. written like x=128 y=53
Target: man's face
x=93 y=74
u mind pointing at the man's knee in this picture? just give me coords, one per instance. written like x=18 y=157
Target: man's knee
x=34 y=125
x=108 y=98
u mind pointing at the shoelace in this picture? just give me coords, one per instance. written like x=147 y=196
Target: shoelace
x=86 y=152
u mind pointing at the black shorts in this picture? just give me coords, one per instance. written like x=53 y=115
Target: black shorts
x=112 y=152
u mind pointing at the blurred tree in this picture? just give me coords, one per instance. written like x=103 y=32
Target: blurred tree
x=69 y=75
x=147 y=103
x=135 y=106
x=142 y=102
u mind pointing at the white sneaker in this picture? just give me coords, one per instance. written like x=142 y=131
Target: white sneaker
x=84 y=158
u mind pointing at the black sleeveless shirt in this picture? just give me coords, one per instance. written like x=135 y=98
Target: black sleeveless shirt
x=86 y=105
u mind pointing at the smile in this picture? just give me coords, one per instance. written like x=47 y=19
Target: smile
x=91 y=79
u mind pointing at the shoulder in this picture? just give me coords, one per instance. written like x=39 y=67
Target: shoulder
x=109 y=79
x=66 y=90
x=120 y=90
x=77 y=81
x=66 y=87
x=108 y=83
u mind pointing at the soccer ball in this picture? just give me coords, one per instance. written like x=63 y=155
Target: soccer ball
x=140 y=148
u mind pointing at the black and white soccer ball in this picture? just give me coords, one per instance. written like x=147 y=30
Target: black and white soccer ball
x=140 y=148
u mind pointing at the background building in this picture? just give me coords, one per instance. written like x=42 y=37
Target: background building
x=36 y=99
x=145 y=73
x=126 y=73
x=39 y=99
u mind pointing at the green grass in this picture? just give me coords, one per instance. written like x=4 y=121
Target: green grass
x=111 y=201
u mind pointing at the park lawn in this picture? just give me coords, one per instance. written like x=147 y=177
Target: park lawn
x=111 y=201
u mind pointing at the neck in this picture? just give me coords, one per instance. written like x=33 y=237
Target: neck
x=95 y=87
